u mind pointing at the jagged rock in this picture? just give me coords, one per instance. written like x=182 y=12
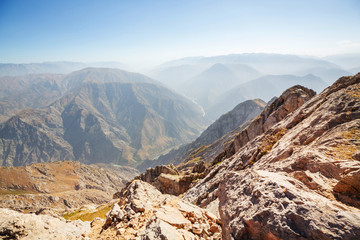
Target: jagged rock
x=30 y=226
x=166 y=179
x=149 y=214
x=296 y=180
x=199 y=167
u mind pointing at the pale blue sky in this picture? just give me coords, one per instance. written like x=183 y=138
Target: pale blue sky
x=145 y=32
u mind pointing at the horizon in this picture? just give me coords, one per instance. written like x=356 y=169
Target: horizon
x=143 y=35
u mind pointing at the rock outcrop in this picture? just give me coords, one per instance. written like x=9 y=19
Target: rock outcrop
x=169 y=180
x=144 y=213
x=30 y=226
x=296 y=178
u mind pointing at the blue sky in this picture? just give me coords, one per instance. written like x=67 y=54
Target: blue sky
x=149 y=32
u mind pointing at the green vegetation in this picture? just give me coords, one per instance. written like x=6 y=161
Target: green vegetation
x=84 y=215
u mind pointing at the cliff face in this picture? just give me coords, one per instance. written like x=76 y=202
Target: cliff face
x=298 y=178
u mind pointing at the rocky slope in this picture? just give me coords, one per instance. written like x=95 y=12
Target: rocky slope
x=106 y=115
x=296 y=179
x=207 y=142
x=144 y=213
x=58 y=186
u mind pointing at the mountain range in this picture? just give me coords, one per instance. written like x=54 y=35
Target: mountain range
x=214 y=82
x=99 y=115
x=289 y=172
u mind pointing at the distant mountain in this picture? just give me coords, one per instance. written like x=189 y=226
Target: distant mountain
x=11 y=69
x=106 y=115
x=210 y=141
x=355 y=70
x=176 y=76
x=208 y=85
x=329 y=75
x=265 y=88
x=347 y=61
x=222 y=73
x=266 y=63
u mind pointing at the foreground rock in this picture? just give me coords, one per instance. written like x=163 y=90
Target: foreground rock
x=297 y=180
x=30 y=226
x=144 y=213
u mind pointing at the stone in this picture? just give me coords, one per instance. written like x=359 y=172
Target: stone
x=293 y=173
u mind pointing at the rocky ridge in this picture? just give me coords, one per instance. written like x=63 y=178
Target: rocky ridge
x=297 y=179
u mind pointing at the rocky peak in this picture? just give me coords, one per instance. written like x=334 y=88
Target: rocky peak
x=298 y=179
x=274 y=112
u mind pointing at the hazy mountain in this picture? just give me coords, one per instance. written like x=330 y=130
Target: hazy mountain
x=11 y=69
x=107 y=116
x=208 y=85
x=329 y=75
x=264 y=62
x=347 y=61
x=210 y=142
x=355 y=70
x=175 y=76
x=32 y=91
x=265 y=88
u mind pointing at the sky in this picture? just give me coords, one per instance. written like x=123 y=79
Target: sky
x=146 y=33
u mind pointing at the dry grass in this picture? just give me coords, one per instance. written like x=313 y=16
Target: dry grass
x=85 y=215
x=355 y=92
x=349 y=147
x=269 y=141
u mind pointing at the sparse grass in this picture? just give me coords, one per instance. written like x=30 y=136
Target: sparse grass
x=83 y=215
x=270 y=141
x=354 y=92
x=347 y=149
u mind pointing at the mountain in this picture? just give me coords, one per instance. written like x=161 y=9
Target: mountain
x=265 y=88
x=266 y=63
x=176 y=76
x=223 y=73
x=298 y=178
x=11 y=69
x=292 y=173
x=209 y=141
x=32 y=91
x=208 y=85
x=106 y=115
x=329 y=75
x=347 y=61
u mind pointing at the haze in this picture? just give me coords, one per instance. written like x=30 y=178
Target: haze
x=147 y=33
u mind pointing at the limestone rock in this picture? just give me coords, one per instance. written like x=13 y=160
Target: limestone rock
x=146 y=213
x=30 y=226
